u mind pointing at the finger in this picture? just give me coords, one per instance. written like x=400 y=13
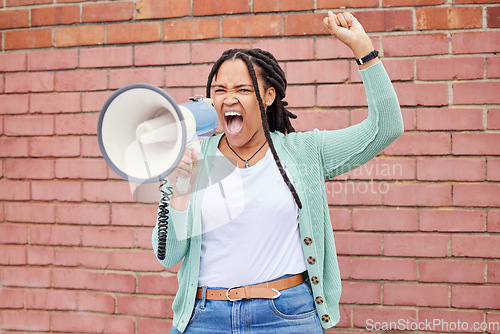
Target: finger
x=342 y=20
x=330 y=23
x=349 y=18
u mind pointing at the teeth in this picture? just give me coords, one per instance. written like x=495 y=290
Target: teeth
x=232 y=113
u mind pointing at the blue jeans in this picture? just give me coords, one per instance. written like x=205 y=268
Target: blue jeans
x=292 y=312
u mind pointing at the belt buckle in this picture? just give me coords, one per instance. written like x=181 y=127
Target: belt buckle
x=227 y=295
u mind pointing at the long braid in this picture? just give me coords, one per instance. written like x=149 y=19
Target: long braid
x=277 y=118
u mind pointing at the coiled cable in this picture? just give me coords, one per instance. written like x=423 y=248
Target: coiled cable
x=163 y=217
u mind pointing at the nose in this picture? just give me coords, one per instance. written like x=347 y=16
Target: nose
x=230 y=99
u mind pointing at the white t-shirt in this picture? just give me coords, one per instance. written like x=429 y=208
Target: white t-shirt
x=250 y=226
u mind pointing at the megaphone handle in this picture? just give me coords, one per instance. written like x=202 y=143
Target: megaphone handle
x=182 y=185
x=163 y=218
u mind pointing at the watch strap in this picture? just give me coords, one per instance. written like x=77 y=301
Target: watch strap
x=368 y=57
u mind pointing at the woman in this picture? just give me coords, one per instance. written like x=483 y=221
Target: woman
x=255 y=235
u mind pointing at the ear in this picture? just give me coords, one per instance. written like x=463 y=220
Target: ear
x=269 y=96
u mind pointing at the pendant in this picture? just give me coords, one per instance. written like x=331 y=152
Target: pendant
x=246 y=164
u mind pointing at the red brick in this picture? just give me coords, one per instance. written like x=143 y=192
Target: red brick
x=55 y=15
x=134 y=32
x=14 y=147
x=386 y=20
x=52 y=60
x=122 y=77
x=383 y=269
x=493 y=17
x=330 y=47
x=14 y=103
x=421 y=94
x=106 y=57
x=384 y=220
x=475 y=297
x=420 y=143
x=14 y=190
x=91 y=323
x=13 y=61
x=484 y=246
x=334 y=119
x=133 y=260
x=152 y=9
x=397 y=69
x=252 y=26
x=142 y=306
x=94 y=101
x=493 y=169
x=133 y=215
x=454 y=271
x=191 y=29
x=162 y=54
x=475 y=42
x=369 y=317
x=493 y=272
x=358 y=243
x=333 y=4
x=79 y=35
x=83 y=258
x=475 y=143
x=64 y=146
x=282 y=6
x=83 y=80
x=80 y=168
x=30 y=169
x=25 y=277
x=90 y=148
x=341 y=95
x=415 y=295
x=450 y=320
x=493 y=66
x=14 y=18
x=27 y=39
x=12 y=3
x=455 y=220
x=418 y=194
x=473 y=1
x=29 y=125
x=13 y=234
x=449 y=18
x=83 y=124
x=420 y=245
x=315 y=119
x=13 y=255
x=55 y=235
x=29 y=82
x=106 y=12
x=95 y=191
x=95 y=302
x=158 y=284
x=415 y=45
x=40 y=255
x=11 y=298
x=326 y=71
x=107 y=237
x=83 y=214
x=187 y=75
x=476 y=92
x=23 y=320
x=207 y=7
x=355 y=193
x=46 y=299
x=450 y=169
x=481 y=195
x=56 y=190
x=360 y=293
x=54 y=103
x=205 y=52
x=450 y=68
x=449 y=119
x=304 y=24
x=385 y=169
x=397 y=3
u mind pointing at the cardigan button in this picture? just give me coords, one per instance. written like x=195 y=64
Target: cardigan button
x=319 y=300
x=308 y=241
x=325 y=318
x=315 y=279
x=311 y=260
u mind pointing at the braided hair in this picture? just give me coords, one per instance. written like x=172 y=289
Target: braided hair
x=277 y=117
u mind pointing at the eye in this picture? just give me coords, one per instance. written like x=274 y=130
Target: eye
x=245 y=90
x=219 y=91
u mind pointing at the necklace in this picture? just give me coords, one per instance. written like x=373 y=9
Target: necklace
x=246 y=161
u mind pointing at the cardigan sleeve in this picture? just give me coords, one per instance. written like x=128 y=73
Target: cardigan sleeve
x=346 y=149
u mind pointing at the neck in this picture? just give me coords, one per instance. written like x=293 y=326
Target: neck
x=246 y=155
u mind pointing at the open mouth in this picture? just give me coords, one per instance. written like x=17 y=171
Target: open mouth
x=234 y=122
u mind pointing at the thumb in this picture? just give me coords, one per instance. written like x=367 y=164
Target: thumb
x=330 y=23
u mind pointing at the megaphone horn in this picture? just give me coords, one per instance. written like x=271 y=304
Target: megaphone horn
x=143 y=132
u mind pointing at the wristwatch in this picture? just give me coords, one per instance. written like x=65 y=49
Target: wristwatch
x=368 y=57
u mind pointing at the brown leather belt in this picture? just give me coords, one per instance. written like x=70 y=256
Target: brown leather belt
x=269 y=290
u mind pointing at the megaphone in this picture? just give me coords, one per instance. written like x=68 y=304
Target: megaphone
x=143 y=132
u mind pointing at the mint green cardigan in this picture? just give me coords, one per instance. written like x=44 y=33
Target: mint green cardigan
x=311 y=158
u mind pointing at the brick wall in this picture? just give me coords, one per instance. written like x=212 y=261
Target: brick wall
x=417 y=228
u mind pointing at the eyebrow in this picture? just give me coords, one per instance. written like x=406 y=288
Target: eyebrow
x=237 y=86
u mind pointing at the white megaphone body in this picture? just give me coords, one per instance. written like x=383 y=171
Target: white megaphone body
x=143 y=132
